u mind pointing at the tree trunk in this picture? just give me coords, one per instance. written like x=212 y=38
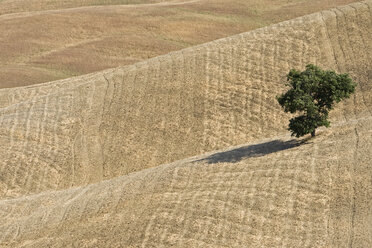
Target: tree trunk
x=313 y=133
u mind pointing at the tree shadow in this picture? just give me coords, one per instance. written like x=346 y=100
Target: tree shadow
x=250 y=151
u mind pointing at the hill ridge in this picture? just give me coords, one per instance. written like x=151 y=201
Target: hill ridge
x=91 y=7
x=308 y=17
x=185 y=103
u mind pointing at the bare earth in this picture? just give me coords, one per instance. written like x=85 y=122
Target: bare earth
x=81 y=157
x=41 y=41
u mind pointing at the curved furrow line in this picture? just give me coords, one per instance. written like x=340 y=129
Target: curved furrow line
x=27 y=171
x=43 y=122
x=286 y=233
x=216 y=185
x=346 y=55
x=353 y=43
x=207 y=92
x=364 y=50
x=327 y=44
x=159 y=212
x=192 y=204
x=269 y=199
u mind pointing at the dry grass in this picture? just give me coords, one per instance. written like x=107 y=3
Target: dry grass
x=312 y=195
x=39 y=46
x=174 y=106
x=80 y=157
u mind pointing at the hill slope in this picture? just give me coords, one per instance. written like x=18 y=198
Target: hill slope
x=45 y=40
x=111 y=123
x=278 y=193
x=274 y=193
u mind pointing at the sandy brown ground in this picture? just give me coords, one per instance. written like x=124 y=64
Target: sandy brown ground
x=41 y=41
x=80 y=156
x=106 y=124
x=275 y=193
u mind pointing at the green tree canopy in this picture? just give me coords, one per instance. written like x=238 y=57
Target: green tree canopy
x=313 y=93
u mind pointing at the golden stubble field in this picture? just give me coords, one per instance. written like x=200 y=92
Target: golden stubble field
x=189 y=149
x=41 y=41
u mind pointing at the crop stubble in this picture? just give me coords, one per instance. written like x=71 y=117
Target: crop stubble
x=81 y=131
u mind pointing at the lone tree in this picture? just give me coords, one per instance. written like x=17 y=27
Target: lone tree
x=312 y=93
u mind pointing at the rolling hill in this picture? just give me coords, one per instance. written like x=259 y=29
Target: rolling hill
x=81 y=157
x=45 y=40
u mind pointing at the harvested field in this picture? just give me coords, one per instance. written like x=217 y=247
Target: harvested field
x=45 y=40
x=81 y=157
x=282 y=194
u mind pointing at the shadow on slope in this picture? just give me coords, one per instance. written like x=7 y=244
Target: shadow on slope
x=256 y=150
